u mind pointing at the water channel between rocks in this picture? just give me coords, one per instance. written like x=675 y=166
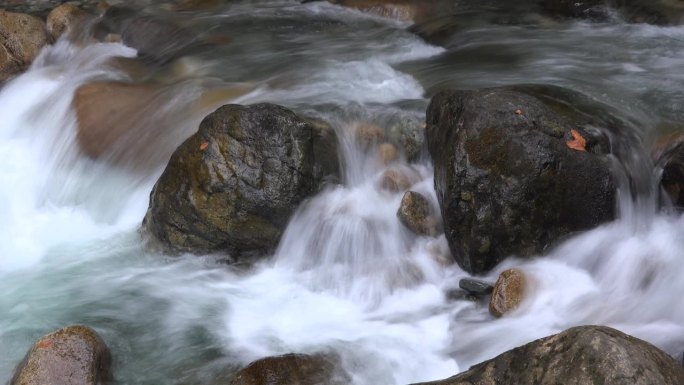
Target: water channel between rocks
x=347 y=276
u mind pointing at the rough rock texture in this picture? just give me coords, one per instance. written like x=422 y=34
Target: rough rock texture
x=74 y=355
x=669 y=155
x=233 y=185
x=291 y=369
x=509 y=292
x=415 y=213
x=585 y=355
x=65 y=18
x=21 y=39
x=506 y=180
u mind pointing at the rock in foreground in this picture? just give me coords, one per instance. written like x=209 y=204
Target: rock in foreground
x=291 y=369
x=506 y=177
x=74 y=355
x=585 y=355
x=233 y=185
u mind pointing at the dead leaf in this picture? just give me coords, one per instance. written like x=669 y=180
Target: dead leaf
x=204 y=145
x=578 y=142
x=518 y=112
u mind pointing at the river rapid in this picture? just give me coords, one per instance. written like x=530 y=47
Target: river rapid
x=347 y=277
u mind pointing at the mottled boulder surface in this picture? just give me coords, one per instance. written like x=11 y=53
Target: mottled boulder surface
x=506 y=177
x=21 y=39
x=585 y=355
x=292 y=369
x=233 y=185
x=74 y=355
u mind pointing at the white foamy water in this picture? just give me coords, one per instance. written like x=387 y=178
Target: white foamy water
x=347 y=277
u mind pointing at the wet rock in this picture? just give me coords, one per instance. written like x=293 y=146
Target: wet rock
x=387 y=153
x=586 y=9
x=157 y=41
x=409 y=135
x=578 y=356
x=475 y=287
x=66 y=18
x=461 y=295
x=669 y=155
x=292 y=369
x=106 y=112
x=509 y=291
x=415 y=213
x=399 y=178
x=403 y=10
x=367 y=134
x=507 y=181
x=117 y=121
x=74 y=355
x=233 y=185
x=21 y=39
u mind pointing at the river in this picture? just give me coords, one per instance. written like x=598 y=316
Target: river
x=347 y=277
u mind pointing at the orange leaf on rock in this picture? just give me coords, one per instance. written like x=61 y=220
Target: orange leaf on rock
x=578 y=142
x=518 y=112
x=204 y=145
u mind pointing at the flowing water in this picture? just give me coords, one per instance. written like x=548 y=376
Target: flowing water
x=347 y=277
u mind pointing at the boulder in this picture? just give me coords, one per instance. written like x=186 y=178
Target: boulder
x=585 y=355
x=506 y=177
x=21 y=39
x=367 y=134
x=416 y=214
x=292 y=369
x=66 y=18
x=233 y=185
x=509 y=291
x=74 y=355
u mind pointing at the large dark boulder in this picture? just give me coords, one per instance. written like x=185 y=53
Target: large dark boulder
x=506 y=178
x=292 y=369
x=74 y=355
x=585 y=355
x=233 y=185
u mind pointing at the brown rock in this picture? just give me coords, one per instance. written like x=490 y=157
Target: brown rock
x=509 y=291
x=291 y=369
x=585 y=355
x=368 y=134
x=108 y=111
x=74 y=355
x=387 y=153
x=65 y=18
x=415 y=213
x=195 y=5
x=399 y=178
x=404 y=10
x=21 y=39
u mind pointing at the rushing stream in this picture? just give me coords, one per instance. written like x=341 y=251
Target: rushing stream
x=347 y=277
